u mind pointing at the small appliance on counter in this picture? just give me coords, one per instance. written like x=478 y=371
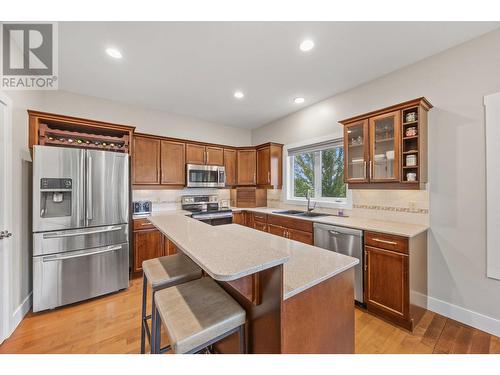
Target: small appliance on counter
x=141 y=209
x=206 y=208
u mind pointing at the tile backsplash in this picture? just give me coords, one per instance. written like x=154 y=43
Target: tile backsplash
x=407 y=206
x=171 y=199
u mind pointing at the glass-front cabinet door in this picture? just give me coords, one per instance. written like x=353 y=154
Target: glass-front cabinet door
x=385 y=139
x=356 y=152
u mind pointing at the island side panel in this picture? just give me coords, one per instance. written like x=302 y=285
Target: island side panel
x=320 y=320
x=263 y=329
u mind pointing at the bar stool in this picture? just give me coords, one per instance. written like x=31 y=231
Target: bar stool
x=163 y=272
x=196 y=315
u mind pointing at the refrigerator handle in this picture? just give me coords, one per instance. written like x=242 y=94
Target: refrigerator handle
x=89 y=188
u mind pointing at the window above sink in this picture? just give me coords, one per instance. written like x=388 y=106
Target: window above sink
x=316 y=166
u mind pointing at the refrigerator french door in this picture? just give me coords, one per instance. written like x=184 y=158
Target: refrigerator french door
x=80 y=224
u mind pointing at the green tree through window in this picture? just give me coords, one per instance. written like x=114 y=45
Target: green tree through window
x=303 y=169
x=329 y=163
x=332 y=173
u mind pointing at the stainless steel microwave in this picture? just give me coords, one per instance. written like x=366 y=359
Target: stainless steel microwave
x=205 y=176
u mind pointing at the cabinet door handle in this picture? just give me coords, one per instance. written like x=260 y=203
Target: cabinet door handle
x=206 y=153
x=385 y=241
x=254 y=177
x=268 y=177
x=366 y=261
x=364 y=170
x=371 y=169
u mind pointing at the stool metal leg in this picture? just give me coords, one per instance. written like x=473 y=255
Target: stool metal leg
x=156 y=339
x=242 y=337
x=153 y=321
x=143 y=315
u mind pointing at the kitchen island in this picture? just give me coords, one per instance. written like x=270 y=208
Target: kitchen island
x=298 y=298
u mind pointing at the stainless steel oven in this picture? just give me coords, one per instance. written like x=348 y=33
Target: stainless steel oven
x=205 y=176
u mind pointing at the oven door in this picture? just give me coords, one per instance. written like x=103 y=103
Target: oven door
x=204 y=176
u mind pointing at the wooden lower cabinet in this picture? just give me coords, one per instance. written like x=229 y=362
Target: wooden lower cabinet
x=148 y=244
x=294 y=229
x=168 y=247
x=387 y=281
x=259 y=225
x=395 y=277
x=301 y=236
x=277 y=230
x=239 y=218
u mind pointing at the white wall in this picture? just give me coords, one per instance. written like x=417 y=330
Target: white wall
x=455 y=82
x=145 y=120
x=21 y=204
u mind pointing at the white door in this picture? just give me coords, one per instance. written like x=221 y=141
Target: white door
x=5 y=213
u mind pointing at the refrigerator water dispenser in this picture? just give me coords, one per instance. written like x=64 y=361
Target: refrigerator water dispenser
x=55 y=197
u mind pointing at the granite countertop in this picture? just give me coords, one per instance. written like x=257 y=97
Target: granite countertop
x=381 y=226
x=229 y=252
x=225 y=252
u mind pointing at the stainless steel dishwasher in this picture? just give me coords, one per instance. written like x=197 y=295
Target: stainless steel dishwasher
x=345 y=241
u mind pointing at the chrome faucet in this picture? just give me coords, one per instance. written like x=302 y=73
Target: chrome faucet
x=308 y=197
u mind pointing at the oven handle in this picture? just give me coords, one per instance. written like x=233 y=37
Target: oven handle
x=73 y=234
x=53 y=258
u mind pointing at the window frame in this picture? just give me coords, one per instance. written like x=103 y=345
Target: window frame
x=289 y=185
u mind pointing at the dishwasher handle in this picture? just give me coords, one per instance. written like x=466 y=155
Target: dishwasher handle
x=335 y=230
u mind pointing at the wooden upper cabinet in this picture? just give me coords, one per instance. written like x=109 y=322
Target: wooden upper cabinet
x=173 y=164
x=230 y=166
x=246 y=167
x=357 y=152
x=195 y=154
x=146 y=161
x=200 y=154
x=215 y=155
x=269 y=166
x=385 y=147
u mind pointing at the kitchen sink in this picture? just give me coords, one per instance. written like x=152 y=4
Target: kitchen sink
x=289 y=212
x=312 y=214
x=300 y=213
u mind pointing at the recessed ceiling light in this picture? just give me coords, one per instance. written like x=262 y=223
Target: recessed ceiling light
x=306 y=45
x=299 y=100
x=113 y=52
x=239 y=95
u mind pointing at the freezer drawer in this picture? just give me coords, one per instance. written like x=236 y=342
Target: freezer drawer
x=66 y=278
x=78 y=239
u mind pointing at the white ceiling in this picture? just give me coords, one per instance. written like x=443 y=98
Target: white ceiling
x=193 y=68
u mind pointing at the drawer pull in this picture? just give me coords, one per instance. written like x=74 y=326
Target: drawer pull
x=145 y=224
x=385 y=241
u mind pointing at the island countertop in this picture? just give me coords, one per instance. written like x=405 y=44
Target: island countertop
x=229 y=252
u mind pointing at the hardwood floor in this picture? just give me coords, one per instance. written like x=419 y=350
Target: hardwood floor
x=111 y=324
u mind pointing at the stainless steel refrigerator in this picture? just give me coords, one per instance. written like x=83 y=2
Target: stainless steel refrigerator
x=80 y=224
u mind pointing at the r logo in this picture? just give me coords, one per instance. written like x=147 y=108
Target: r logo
x=27 y=49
